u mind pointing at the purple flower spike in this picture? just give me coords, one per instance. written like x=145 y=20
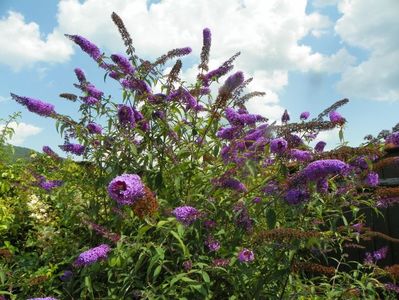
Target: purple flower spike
x=93 y=91
x=94 y=128
x=246 y=255
x=301 y=155
x=36 y=106
x=86 y=46
x=320 y=146
x=285 y=117
x=123 y=63
x=90 y=100
x=231 y=83
x=92 y=255
x=304 y=116
x=393 y=139
x=296 y=196
x=126 y=189
x=126 y=115
x=80 y=75
x=278 y=145
x=335 y=117
x=48 y=185
x=49 y=151
x=372 y=179
x=76 y=149
x=186 y=214
x=207 y=37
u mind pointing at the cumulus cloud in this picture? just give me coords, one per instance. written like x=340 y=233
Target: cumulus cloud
x=22 y=131
x=22 y=43
x=373 y=26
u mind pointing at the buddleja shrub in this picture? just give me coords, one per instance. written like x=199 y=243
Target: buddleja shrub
x=185 y=194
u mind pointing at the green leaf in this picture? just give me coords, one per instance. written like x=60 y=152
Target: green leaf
x=181 y=243
x=271 y=218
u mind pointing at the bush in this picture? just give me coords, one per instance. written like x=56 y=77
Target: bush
x=185 y=194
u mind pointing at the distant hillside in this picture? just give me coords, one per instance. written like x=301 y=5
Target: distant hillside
x=12 y=153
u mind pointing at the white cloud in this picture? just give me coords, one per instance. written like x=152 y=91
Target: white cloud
x=373 y=26
x=22 y=43
x=22 y=131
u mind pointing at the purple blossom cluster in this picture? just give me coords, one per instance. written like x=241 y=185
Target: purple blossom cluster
x=335 y=117
x=373 y=257
x=320 y=146
x=296 y=196
x=126 y=189
x=50 y=152
x=80 y=75
x=278 y=146
x=242 y=118
x=231 y=83
x=86 y=46
x=138 y=85
x=48 y=185
x=285 y=117
x=36 y=106
x=304 y=115
x=94 y=128
x=92 y=255
x=212 y=244
x=126 y=115
x=230 y=183
x=393 y=138
x=76 y=149
x=123 y=63
x=186 y=214
x=319 y=169
x=246 y=255
x=215 y=74
x=372 y=179
x=301 y=155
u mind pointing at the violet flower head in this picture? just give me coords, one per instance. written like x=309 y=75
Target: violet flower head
x=296 y=196
x=319 y=169
x=372 y=179
x=123 y=63
x=186 y=214
x=217 y=73
x=66 y=276
x=93 y=91
x=393 y=138
x=231 y=83
x=375 y=256
x=89 y=100
x=138 y=85
x=301 y=155
x=126 y=115
x=212 y=244
x=304 y=115
x=126 y=189
x=285 y=117
x=228 y=133
x=246 y=255
x=94 y=128
x=207 y=37
x=335 y=117
x=320 y=146
x=48 y=185
x=49 y=151
x=278 y=145
x=115 y=75
x=233 y=184
x=92 y=255
x=76 y=149
x=36 y=106
x=80 y=75
x=86 y=46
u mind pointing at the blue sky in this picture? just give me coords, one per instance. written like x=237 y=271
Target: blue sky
x=304 y=54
